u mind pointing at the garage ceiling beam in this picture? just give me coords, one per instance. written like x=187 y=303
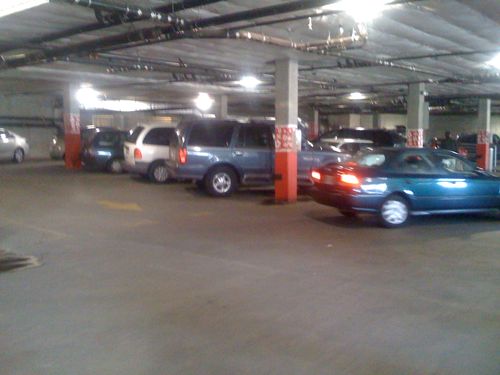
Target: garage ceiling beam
x=172 y=7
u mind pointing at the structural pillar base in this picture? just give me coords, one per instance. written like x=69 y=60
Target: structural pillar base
x=285 y=183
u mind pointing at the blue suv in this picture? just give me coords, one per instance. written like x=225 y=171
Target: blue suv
x=221 y=155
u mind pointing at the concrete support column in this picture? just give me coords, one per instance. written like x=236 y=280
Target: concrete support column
x=286 y=112
x=377 y=121
x=484 y=133
x=416 y=115
x=222 y=107
x=313 y=122
x=72 y=127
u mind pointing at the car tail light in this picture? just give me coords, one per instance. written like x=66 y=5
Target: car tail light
x=183 y=155
x=315 y=175
x=349 y=179
x=137 y=154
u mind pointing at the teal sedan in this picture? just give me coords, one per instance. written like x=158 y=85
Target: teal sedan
x=396 y=183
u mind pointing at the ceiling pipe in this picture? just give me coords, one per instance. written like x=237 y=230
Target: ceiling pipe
x=169 y=8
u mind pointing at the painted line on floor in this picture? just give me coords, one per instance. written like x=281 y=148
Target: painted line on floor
x=124 y=206
x=35 y=227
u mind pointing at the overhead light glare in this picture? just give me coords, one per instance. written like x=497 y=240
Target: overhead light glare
x=14 y=6
x=495 y=62
x=249 y=82
x=356 y=96
x=87 y=96
x=361 y=11
x=203 y=102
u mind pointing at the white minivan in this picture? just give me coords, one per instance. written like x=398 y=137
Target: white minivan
x=146 y=149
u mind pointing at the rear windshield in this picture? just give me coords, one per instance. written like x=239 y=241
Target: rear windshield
x=134 y=134
x=159 y=136
x=107 y=139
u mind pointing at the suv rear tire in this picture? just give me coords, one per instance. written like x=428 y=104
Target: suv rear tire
x=221 y=181
x=158 y=172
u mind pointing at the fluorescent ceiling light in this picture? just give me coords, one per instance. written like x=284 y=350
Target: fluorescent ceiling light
x=356 y=96
x=495 y=62
x=203 y=102
x=13 y=6
x=249 y=82
x=361 y=10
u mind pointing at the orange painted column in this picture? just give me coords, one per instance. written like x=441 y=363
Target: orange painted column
x=286 y=109
x=483 y=134
x=72 y=128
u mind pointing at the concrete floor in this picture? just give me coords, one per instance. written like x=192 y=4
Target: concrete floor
x=148 y=279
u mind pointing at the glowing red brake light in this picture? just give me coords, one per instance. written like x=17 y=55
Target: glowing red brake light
x=315 y=175
x=137 y=154
x=349 y=179
x=183 y=155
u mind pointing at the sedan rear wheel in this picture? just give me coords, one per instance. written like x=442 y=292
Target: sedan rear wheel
x=115 y=166
x=394 y=212
x=18 y=156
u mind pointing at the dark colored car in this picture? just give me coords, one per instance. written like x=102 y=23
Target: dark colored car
x=220 y=155
x=379 y=137
x=103 y=150
x=396 y=183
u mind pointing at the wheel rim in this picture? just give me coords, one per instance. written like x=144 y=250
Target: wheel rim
x=394 y=212
x=18 y=156
x=221 y=182
x=160 y=173
x=116 y=166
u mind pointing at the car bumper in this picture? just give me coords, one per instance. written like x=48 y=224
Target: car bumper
x=136 y=168
x=344 y=200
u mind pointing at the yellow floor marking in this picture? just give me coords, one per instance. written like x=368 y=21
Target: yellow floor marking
x=120 y=206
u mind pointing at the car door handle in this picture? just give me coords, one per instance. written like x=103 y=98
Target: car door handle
x=237 y=153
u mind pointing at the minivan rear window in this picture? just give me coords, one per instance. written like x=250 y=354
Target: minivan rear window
x=134 y=134
x=159 y=136
x=211 y=135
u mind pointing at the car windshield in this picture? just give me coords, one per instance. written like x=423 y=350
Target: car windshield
x=370 y=159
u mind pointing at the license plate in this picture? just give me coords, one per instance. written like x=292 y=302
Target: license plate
x=329 y=180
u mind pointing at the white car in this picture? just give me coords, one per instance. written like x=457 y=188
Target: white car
x=13 y=146
x=347 y=145
x=146 y=150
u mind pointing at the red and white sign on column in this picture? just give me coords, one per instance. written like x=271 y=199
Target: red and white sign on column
x=72 y=124
x=415 y=138
x=483 y=137
x=285 y=138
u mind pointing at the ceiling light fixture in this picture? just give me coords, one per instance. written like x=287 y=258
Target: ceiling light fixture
x=495 y=62
x=356 y=96
x=203 y=102
x=14 y=6
x=361 y=10
x=249 y=82
x=87 y=96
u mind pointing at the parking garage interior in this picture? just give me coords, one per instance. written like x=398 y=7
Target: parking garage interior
x=113 y=274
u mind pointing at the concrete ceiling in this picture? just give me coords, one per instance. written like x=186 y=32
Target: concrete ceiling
x=445 y=43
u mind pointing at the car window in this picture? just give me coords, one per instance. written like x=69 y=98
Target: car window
x=255 y=137
x=159 y=136
x=350 y=148
x=413 y=163
x=211 y=135
x=453 y=164
x=370 y=160
x=134 y=134
x=107 y=139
